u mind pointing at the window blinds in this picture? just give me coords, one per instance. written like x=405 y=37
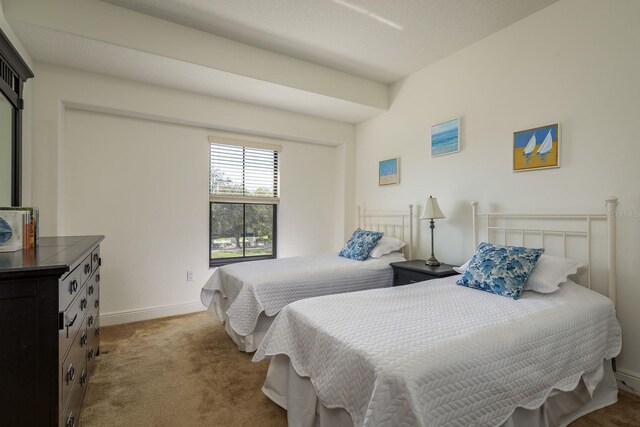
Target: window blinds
x=243 y=174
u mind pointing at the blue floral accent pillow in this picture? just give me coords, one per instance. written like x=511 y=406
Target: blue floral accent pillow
x=502 y=270
x=360 y=244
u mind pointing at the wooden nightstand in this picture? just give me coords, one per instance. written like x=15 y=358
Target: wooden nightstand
x=416 y=270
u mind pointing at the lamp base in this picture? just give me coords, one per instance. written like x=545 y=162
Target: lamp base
x=433 y=262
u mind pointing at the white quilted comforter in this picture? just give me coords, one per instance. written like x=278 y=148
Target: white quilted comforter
x=269 y=285
x=438 y=354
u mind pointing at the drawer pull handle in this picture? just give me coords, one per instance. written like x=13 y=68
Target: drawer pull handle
x=97 y=332
x=97 y=303
x=97 y=278
x=95 y=258
x=90 y=354
x=83 y=303
x=73 y=286
x=70 y=324
x=90 y=321
x=83 y=339
x=71 y=421
x=83 y=378
x=87 y=268
x=71 y=373
x=90 y=290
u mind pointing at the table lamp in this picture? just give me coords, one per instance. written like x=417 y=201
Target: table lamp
x=432 y=211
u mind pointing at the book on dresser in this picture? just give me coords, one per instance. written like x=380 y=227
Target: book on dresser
x=19 y=228
x=50 y=335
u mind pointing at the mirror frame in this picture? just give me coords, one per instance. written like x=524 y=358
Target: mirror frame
x=14 y=72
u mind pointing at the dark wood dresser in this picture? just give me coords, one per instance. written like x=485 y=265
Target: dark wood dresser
x=49 y=330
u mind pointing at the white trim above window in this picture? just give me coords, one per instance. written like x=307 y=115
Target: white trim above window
x=244 y=143
x=243 y=172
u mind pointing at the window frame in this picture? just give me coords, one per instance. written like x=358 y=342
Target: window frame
x=224 y=261
x=244 y=199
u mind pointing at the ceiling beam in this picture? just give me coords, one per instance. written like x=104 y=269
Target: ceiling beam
x=100 y=22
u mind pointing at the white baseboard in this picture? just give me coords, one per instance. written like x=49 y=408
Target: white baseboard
x=128 y=316
x=631 y=378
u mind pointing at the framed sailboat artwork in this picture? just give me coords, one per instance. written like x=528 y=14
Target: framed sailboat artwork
x=537 y=148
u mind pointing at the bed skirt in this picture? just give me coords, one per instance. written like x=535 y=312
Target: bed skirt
x=218 y=306
x=296 y=394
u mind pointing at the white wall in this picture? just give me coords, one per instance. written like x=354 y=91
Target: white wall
x=309 y=212
x=575 y=62
x=130 y=161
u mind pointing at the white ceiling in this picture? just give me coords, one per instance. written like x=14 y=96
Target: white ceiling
x=331 y=59
x=384 y=40
x=95 y=36
x=69 y=50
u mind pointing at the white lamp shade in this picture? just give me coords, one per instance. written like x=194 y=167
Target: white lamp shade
x=432 y=210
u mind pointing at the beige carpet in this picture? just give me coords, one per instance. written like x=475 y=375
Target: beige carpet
x=177 y=371
x=186 y=371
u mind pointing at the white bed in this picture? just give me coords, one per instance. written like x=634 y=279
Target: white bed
x=247 y=296
x=435 y=353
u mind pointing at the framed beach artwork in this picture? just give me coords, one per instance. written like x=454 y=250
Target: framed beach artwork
x=389 y=172
x=537 y=148
x=445 y=137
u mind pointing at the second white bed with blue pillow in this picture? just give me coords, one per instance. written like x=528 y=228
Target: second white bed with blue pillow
x=436 y=353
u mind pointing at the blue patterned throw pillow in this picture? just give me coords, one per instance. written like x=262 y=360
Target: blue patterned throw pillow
x=502 y=270
x=360 y=244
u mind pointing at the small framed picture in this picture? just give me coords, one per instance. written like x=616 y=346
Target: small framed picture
x=445 y=137
x=537 y=148
x=389 y=172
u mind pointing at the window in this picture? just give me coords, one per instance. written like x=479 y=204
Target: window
x=243 y=201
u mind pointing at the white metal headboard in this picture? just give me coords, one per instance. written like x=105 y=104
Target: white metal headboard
x=393 y=224
x=586 y=232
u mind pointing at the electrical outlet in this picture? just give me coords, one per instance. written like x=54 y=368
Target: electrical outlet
x=191 y=276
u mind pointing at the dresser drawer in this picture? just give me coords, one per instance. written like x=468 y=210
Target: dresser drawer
x=93 y=324
x=74 y=366
x=85 y=269
x=93 y=318
x=69 y=288
x=70 y=417
x=92 y=353
x=71 y=412
x=95 y=258
x=73 y=319
x=93 y=291
x=406 y=277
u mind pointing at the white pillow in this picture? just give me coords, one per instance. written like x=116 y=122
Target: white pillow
x=385 y=246
x=462 y=268
x=549 y=272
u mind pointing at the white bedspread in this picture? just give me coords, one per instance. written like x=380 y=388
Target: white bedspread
x=269 y=285
x=435 y=353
